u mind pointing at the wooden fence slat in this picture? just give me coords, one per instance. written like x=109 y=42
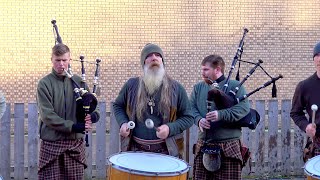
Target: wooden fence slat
x=186 y=136
x=101 y=143
x=246 y=141
x=88 y=170
x=5 y=124
x=33 y=141
x=193 y=137
x=19 y=141
x=114 y=133
x=273 y=138
x=299 y=137
x=285 y=138
x=259 y=138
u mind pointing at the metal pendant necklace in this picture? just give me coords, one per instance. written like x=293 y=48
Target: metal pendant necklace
x=151 y=100
x=151 y=104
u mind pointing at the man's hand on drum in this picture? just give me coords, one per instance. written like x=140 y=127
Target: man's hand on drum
x=124 y=130
x=204 y=124
x=162 y=131
x=311 y=130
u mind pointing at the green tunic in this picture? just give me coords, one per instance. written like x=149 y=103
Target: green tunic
x=57 y=107
x=180 y=106
x=218 y=133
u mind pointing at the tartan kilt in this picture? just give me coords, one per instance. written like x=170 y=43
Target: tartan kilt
x=231 y=161
x=62 y=159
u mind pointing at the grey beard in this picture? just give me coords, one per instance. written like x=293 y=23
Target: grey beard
x=153 y=78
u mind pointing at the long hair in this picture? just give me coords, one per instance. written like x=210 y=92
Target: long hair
x=165 y=98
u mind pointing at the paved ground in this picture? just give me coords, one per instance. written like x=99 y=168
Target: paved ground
x=294 y=178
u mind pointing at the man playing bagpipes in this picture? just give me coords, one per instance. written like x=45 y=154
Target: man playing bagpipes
x=157 y=104
x=307 y=98
x=217 y=152
x=61 y=126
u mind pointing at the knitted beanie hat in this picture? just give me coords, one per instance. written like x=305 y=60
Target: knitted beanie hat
x=316 y=49
x=150 y=48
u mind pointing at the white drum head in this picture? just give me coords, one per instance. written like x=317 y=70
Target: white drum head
x=312 y=167
x=149 y=164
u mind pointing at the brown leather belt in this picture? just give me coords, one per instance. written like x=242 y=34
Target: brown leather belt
x=158 y=145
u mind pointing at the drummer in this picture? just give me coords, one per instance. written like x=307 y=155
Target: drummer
x=306 y=95
x=157 y=104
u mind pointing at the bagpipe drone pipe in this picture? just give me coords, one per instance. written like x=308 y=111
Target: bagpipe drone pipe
x=223 y=99
x=86 y=101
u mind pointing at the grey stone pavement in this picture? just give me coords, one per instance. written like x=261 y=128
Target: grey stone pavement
x=286 y=178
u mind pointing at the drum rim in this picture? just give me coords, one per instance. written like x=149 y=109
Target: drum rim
x=149 y=173
x=309 y=173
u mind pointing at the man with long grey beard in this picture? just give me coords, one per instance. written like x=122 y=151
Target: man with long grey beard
x=156 y=104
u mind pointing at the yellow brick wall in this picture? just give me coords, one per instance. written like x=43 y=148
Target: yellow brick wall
x=282 y=33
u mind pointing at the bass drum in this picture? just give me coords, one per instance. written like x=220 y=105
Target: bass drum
x=146 y=165
x=312 y=168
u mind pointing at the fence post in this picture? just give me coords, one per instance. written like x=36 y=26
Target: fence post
x=285 y=138
x=299 y=138
x=246 y=139
x=273 y=137
x=193 y=137
x=114 y=133
x=19 y=141
x=101 y=143
x=259 y=136
x=5 y=124
x=88 y=170
x=33 y=141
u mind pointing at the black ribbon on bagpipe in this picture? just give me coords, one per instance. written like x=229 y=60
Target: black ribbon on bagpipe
x=223 y=99
x=86 y=102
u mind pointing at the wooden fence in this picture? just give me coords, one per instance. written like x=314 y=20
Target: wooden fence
x=276 y=144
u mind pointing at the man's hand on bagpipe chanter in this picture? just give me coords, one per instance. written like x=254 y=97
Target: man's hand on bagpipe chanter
x=88 y=123
x=204 y=124
x=212 y=116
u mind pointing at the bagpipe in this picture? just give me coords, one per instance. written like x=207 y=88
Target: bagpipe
x=224 y=99
x=86 y=102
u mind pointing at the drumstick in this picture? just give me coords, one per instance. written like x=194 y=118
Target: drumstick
x=131 y=125
x=149 y=123
x=314 y=108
